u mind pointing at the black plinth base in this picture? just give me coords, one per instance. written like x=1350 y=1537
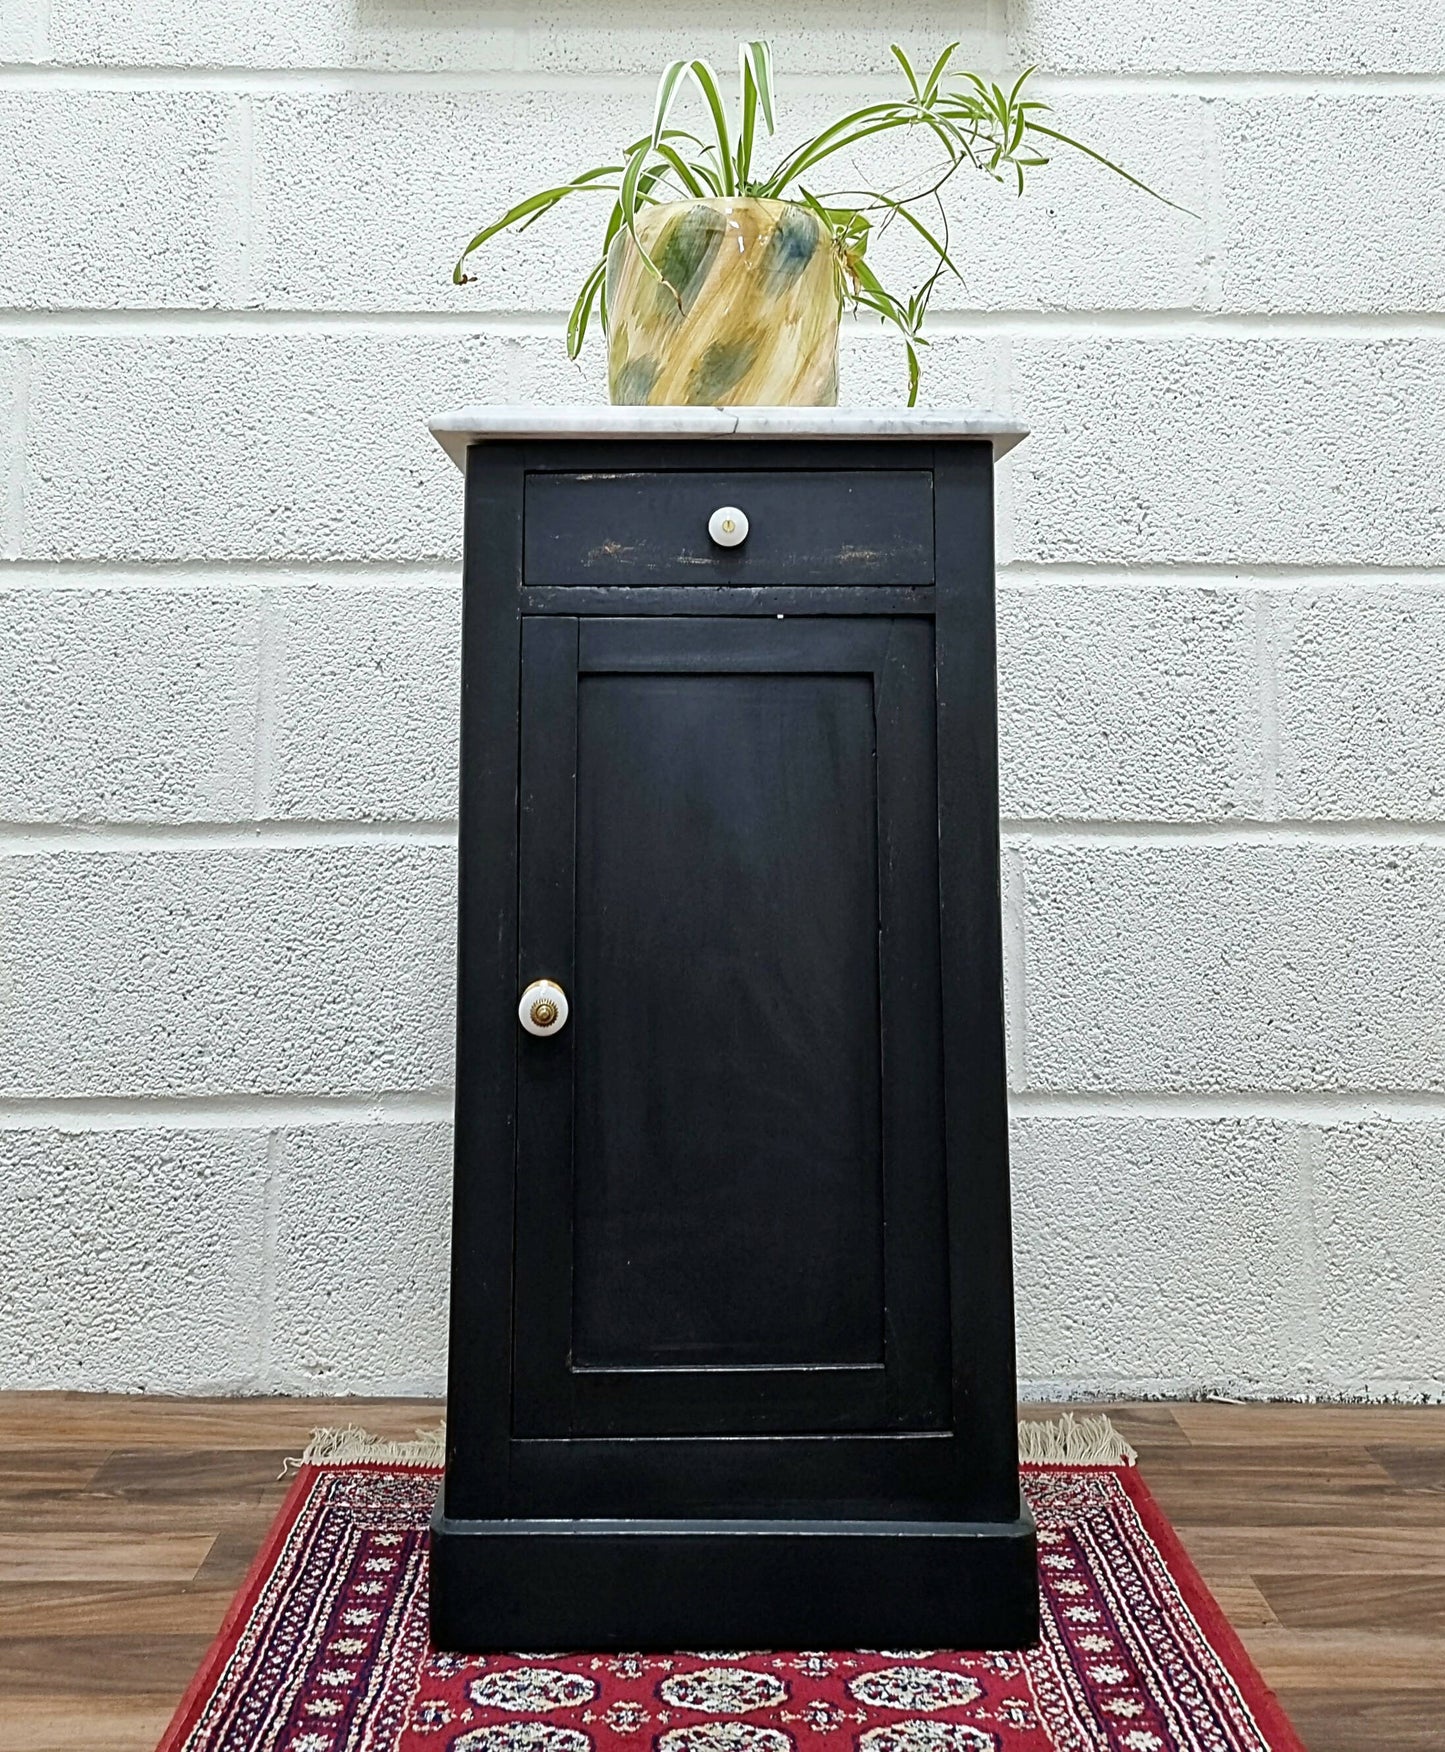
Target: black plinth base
x=662 y=1585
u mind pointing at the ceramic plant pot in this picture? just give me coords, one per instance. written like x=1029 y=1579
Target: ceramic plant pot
x=749 y=314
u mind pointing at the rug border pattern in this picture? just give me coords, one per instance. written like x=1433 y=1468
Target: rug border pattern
x=1255 y=1696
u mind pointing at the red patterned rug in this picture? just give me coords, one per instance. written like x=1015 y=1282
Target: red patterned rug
x=325 y=1650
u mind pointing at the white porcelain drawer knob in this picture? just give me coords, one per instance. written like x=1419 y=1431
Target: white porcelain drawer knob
x=543 y=1007
x=728 y=526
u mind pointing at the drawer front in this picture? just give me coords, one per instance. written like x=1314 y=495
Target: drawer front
x=804 y=526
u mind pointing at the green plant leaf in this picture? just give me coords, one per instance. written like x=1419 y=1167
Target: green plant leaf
x=761 y=55
x=706 y=81
x=871 y=283
x=614 y=225
x=977 y=123
x=526 y=212
x=815 y=206
x=582 y=309
x=747 y=123
x=628 y=197
x=668 y=90
x=930 y=85
x=755 y=67
x=1109 y=164
x=830 y=140
x=668 y=86
x=691 y=176
x=694 y=162
x=874 y=119
x=907 y=67
x=939 y=250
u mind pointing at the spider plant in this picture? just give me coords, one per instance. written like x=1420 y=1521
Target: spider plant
x=972 y=123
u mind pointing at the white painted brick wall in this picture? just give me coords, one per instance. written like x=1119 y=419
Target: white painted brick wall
x=1378 y=1198
x=254 y=968
x=363 y=200
x=113 y=199
x=1119 y=702
x=1361 y=688
x=1286 y=450
x=814 y=36
x=225 y=446
x=228 y=660
x=360 y=1307
x=1155 y=1249
x=432 y=36
x=1247 y=36
x=133 y=1257
x=1310 y=222
x=359 y=702
x=1234 y=967
x=127 y=705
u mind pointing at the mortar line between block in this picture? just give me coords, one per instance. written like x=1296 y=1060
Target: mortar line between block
x=270 y=1226
x=1085 y=324
x=177 y=574
x=12 y=542
x=641 y=81
x=1267 y=679
x=223 y=1111
x=1319 y=1107
x=1307 y=1220
x=40 y=838
x=441 y=572
x=1015 y=927
x=266 y=1111
x=1276 y=576
x=263 y=748
x=1237 y=832
x=244 y=198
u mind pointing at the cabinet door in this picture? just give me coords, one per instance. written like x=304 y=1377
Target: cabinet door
x=730 y=1197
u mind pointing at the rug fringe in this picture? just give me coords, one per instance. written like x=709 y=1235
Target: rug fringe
x=1063 y=1441
x=353 y=1445
x=1073 y=1441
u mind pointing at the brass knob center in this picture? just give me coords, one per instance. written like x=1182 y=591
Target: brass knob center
x=542 y=1007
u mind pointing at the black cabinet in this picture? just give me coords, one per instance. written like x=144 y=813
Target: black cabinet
x=731 y=1339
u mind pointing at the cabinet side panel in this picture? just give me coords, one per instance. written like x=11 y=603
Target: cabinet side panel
x=975 y=1086
x=479 y=1362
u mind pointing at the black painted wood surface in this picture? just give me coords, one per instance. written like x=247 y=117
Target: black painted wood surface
x=769 y=1583
x=727 y=917
x=834 y=526
x=749 y=932
x=733 y=1245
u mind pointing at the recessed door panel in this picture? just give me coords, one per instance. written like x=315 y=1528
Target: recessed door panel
x=728 y=1191
x=729 y=1177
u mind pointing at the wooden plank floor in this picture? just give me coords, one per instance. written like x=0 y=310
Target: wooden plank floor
x=126 y=1524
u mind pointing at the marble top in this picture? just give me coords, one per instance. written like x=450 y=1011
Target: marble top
x=454 y=431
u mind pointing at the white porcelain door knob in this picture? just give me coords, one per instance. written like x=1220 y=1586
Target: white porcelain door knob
x=543 y=1007
x=728 y=526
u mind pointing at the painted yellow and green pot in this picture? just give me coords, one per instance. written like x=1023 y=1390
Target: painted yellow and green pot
x=746 y=313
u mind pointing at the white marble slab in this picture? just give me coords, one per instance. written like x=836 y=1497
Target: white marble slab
x=454 y=431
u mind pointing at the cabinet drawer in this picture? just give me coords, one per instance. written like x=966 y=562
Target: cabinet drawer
x=804 y=526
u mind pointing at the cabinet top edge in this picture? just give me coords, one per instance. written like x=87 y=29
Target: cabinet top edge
x=460 y=427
